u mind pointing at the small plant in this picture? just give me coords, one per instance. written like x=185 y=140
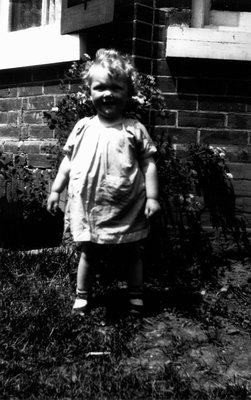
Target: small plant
x=199 y=182
x=23 y=195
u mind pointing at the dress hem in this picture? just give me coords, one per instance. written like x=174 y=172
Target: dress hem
x=112 y=239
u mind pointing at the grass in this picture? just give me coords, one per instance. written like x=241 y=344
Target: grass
x=46 y=353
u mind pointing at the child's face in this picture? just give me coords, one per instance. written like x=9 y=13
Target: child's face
x=109 y=95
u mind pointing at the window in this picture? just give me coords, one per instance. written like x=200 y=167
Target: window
x=30 y=34
x=36 y=32
x=219 y=29
x=22 y=14
x=32 y=13
x=221 y=13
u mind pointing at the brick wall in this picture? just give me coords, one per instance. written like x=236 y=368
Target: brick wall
x=24 y=95
x=209 y=101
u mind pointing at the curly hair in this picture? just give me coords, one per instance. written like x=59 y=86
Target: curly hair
x=117 y=64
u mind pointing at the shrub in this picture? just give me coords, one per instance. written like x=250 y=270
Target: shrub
x=199 y=221
x=78 y=104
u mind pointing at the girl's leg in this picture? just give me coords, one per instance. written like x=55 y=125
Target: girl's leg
x=84 y=278
x=84 y=274
x=135 y=277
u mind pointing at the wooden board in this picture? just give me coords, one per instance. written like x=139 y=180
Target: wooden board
x=76 y=17
x=225 y=43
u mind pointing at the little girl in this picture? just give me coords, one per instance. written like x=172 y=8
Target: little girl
x=111 y=178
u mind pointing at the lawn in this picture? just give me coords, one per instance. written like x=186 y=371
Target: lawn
x=187 y=345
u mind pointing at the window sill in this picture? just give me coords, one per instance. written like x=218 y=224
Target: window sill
x=38 y=46
x=216 y=43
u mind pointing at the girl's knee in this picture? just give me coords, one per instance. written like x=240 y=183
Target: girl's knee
x=87 y=252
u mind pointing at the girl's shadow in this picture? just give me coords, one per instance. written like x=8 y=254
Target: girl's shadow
x=156 y=300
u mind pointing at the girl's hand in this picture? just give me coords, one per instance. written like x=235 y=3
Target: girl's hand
x=53 y=202
x=152 y=207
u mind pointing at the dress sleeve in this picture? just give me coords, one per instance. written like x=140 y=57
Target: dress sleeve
x=70 y=142
x=146 y=147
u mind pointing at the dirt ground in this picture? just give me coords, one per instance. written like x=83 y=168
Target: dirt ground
x=213 y=347
x=200 y=339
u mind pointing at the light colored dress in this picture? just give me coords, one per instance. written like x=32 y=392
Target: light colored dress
x=106 y=192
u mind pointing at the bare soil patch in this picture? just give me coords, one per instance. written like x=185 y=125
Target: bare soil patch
x=201 y=338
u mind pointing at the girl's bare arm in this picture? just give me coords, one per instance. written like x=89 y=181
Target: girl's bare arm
x=152 y=189
x=59 y=184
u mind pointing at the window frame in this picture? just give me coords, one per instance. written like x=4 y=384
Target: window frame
x=36 y=45
x=205 y=17
x=206 y=40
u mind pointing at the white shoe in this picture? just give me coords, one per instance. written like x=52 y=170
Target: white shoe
x=80 y=306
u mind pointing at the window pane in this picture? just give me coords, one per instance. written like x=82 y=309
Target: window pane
x=72 y=3
x=31 y=13
x=231 y=5
x=25 y=14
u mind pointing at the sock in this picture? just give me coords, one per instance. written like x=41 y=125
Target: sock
x=82 y=294
x=81 y=299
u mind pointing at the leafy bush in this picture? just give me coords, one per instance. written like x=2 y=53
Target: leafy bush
x=77 y=104
x=199 y=221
